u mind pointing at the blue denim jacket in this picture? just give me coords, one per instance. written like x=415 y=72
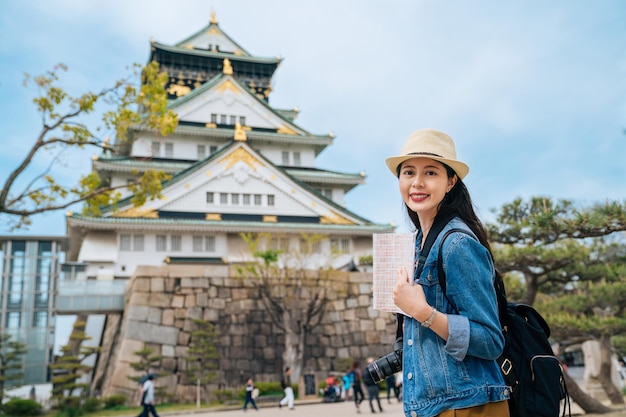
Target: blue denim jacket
x=462 y=372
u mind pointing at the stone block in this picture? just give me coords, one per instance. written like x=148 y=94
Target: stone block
x=128 y=347
x=186 y=271
x=139 y=298
x=168 y=351
x=169 y=364
x=190 y=300
x=157 y=284
x=141 y=284
x=154 y=315
x=178 y=301
x=184 y=338
x=168 y=317
x=151 y=271
x=137 y=312
x=148 y=332
x=202 y=299
x=160 y=300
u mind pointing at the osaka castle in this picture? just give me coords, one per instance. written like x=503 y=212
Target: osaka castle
x=237 y=165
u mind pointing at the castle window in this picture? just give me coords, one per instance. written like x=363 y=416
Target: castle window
x=234 y=199
x=201 y=151
x=340 y=245
x=270 y=200
x=210 y=198
x=213 y=118
x=285 y=158
x=223 y=198
x=161 y=243
x=169 y=149
x=246 y=199
x=223 y=119
x=212 y=149
x=138 y=243
x=176 y=243
x=156 y=149
x=296 y=159
x=233 y=120
x=316 y=247
x=242 y=120
x=198 y=244
x=257 y=199
x=209 y=243
x=124 y=242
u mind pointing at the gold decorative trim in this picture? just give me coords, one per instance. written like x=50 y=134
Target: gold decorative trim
x=188 y=46
x=240 y=133
x=213 y=216
x=284 y=130
x=178 y=90
x=211 y=125
x=213 y=17
x=242 y=155
x=270 y=219
x=228 y=69
x=226 y=86
x=138 y=212
x=334 y=218
x=208 y=173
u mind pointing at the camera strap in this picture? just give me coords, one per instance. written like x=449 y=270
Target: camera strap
x=438 y=225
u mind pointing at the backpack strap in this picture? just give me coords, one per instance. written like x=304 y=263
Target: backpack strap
x=434 y=231
x=506 y=366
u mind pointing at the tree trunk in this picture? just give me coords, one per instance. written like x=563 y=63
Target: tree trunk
x=604 y=376
x=586 y=402
x=291 y=355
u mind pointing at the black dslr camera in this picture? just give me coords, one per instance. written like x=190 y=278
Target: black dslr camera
x=387 y=365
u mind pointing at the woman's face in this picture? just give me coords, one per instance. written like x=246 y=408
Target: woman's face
x=424 y=183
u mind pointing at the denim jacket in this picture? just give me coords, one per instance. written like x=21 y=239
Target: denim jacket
x=463 y=371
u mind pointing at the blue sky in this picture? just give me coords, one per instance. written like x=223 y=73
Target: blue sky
x=533 y=92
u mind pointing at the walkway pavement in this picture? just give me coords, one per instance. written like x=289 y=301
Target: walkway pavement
x=301 y=409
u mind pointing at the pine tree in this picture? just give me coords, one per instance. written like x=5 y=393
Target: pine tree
x=202 y=355
x=70 y=367
x=11 y=353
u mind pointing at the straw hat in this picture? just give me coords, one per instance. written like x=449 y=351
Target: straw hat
x=429 y=143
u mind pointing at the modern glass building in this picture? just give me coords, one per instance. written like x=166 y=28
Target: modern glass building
x=30 y=268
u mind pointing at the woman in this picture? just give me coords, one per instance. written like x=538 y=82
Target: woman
x=249 y=395
x=451 y=340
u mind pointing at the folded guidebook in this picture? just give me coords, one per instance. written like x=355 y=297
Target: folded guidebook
x=391 y=251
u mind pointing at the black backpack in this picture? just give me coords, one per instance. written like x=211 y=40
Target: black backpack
x=527 y=362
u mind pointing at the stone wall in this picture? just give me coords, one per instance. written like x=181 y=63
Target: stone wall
x=162 y=301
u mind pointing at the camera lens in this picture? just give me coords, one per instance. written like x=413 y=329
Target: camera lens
x=385 y=366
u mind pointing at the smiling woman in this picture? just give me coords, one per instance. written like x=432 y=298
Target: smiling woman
x=465 y=323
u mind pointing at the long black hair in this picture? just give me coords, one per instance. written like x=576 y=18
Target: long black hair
x=456 y=202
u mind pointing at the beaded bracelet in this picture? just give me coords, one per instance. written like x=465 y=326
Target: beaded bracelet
x=430 y=319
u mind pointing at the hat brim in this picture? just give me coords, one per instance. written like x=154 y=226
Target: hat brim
x=459 y=167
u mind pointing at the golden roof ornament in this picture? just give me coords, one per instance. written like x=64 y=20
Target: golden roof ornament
x=228 y=69
x=240 y=134
x=213 y=18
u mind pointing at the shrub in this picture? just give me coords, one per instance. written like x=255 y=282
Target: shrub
x=114 y=401
x=91 y=404
x=22 y=407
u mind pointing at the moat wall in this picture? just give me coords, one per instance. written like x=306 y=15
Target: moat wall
x=161 y=303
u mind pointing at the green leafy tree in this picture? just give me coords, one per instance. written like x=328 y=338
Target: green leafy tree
x=70 y=367
x=552 y=250
x=202 y=355
x=65 y=127
x=294 y=297
x=11 y=354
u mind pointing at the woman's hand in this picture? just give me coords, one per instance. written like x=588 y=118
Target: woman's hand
x=409 y=298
